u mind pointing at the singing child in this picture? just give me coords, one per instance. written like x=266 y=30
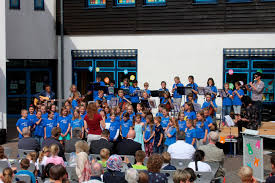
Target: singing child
x=181 y=121
x=159 y=133
x=211 y=84
x=146 y=88
x=77 y=122
x=190 y=133
x=227 y=100
x=201 y=129
x=23 y=122
x=171 y=132
x=138 y=127
x=148 y=135
x=165 y=119
x=177 y=97
x=133 y=94
x=194 y=88
x=113 y=127
x=125 y=124
x=49 y=124
x=64 y=122
x=39 y=128
x=237 y=98
x=189 y=111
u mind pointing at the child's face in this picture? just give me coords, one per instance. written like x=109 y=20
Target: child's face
x=147 y=120
x=156 y=121
x=31 y=110
x=107 y=110
x=146 y=86
x=186 y=107
x=188 y=124
x=206 y=113
x=53 y=108
x=164 y=112
x=237 y=86
x=51 y=115
x=138 y=107
x=125 y=82
x=210 y=82
x=199 y=117
x=82 y=110
x=43 y=109
x=160 y=109
x=102 y=113
x=125 y=118
x=65 y=112
x=24 y=114
x=163 y=85
x=113 y=117
x=208 y=98
x=226 y=86
x=67 y=104
x=181 y=117
x=100 y=94
x=145 y=95
x=76 y=114
x=138 y=119
x=190 y=80
x=120 y=94
x=190 y=98
x=176 y=80
x=130 y=110
x=135 y=85
x=38 y=115
x=112 y=84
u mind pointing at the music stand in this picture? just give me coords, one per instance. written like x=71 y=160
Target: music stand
x=152 y=103
x=197 y=107
x=126 y=91
x=229 y=122
x=114 y=102
x=155 y=93
x=145 y=103
x=222 y=93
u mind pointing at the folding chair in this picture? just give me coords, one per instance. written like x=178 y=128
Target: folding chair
x=169 y=174
x=24 y=178
x=71 y=173
x=67 y=156
x=131 y=158
x=214 y=166
x=23 y=153
x=95 y=156
x=180 y=163
x=204 y=177
x=3 y=165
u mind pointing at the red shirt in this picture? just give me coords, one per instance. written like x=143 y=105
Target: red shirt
x=94 y=124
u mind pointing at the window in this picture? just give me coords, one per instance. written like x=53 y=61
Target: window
x=155 y=2
x=97 y=3
x=125 y=3
x=239 y=1
x=14 y=4
x=38 y=4
x=205 y=1
x=237 y=64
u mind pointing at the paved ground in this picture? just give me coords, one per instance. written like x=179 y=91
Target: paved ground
x=231 y=164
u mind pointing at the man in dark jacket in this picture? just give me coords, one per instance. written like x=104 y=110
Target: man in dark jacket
x=70 y=144
x=27 y=142
x=103 y=142
x=128 y=146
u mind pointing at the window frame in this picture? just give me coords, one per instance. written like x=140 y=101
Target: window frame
x=146 y=3
x=239 y=1
x=205 y=2
x=15 y=7
x=93 y=6
x=124 y=5
x=37 y=8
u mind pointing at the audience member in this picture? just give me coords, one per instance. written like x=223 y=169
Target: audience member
x=143 y=177
x=271 y=177
x=83 y=166
x=192 y=174
x=24 y=165
x=27 y=142
x=56 y=131
x=103 y=142
x=114 y=174
x=45 y=176
x=97 y=171
x=132 y=176
x=43 y=156
x=198 y=165
x=139 y=156
x=104 y=156
x=3 y=157
x=54 y=158
x=58 y=173
x=166 y=162
x=81 y=146
x=70 y=144
x=246 y=175
x=7 y=175
x=154 y=165
x=32 y=157
x=128 y=146
x=181 y=176
x=181 y=149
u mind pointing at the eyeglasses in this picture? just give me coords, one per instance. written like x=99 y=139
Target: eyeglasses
x=255 y=76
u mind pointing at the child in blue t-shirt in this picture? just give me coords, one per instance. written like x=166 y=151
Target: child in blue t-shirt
x=189 y=111
x=133 y=92
x=209 y=104
x=113 y=127
x=131 y=112
x=214 y=91
x=190 y=133
x=139 y=108
x=31 y=117
x=237 y=98
x=160 y=108
x=39 y=128
x=146 y=88
x=171 y=132
x=49 y=124
x=148 y=135
x=159 y=133
x=125 y=124
x=208 y=119
x=165 y=119
x=82 y=111
x=182 y=122
x=126 y=86
x=77 y=122
x=44 y=112
x=23 y=122
x=64 y=122
x=56 y=114
x=201 y=129
x=227 y=101
x=177 y=97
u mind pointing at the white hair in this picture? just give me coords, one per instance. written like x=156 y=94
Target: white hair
x=214 y=136
x=131 y=176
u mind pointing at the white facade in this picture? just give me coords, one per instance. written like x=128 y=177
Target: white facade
x=161 y=57
x=31 y=34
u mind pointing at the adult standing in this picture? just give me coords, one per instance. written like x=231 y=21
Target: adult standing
x=176 y=96
x=213 y=88
x=194 y=88
x=74 y=92
x=94 y=123
x=257 y=88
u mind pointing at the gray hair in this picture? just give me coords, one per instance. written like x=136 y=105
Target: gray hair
x=76 y=132
x=97 y=169
x=181 y=135
x=131 y=175
x=214 y=136
x=26 y=131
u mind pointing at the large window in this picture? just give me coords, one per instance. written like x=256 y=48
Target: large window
x=125 y=3
x=155 y=2
x=14 y=4
x=38 y=4
x=97 y=3
x=205 y=1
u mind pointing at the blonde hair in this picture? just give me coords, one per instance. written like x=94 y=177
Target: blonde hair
x=81 y=146
x=7 y=175
x=42 y=153
x=166 y=157
x=246 y=174
x=79 y=117
x=32 y=156
x=104 y=154
x=54 y=149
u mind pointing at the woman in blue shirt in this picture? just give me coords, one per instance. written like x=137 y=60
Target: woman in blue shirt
x=77 y=121
x=214 y=91
x=125 y=124
x=237 y=98
x=194 y=87
x=227 y=101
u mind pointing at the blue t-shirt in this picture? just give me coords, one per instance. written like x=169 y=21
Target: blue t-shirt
x=31 y=118
x=165 y=101
x=148 y=134
x=74 y=104
x=114 y=126
x=49 y=124
x=39 y=129
x=158 y=132
x=171 y=140
x=159 y=114
x=26 y=172
x=190 y=115
x=44 y=116
x=126 y=87
x=176 y=94
x=200 y=131
x=236 y=99
x=148 y=92
x=22 y=123
x=227 y=101
x=95 y=92
x=125 y=127
x=189 y=135
x=207 y=104
x=161 y=89
x=213 y=89
x=98 y=98
x=134 y=97
x=83 y=115
x=64 y=123
x=208 y=121
x=132 y=116
x=194 y=87
x=77 y=123
x=182 y=125
x=164 y=121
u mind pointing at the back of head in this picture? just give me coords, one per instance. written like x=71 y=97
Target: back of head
x=272 y=161
x=105 y=133
x=26 y=132
x=166 y=157
x=56 y=131
x=140 y=156
x=7 y=175
x=104 y=154
x=57 y=172
x=81 y=146
x=2 y=153
x=131 y=134
x=143 y=177
x=181 y=176
x=192 y=174
x=97 y=169
x=54 y=149
x=76 y=132
x=181 y=135
x=198 y=156
x=214 y=136
x=25 y=164
x=91 y=110
x=246 y=174
x=132 y=176
x=154 y=163
x=46 y=171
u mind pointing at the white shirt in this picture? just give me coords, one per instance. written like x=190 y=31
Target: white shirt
x=202 y=167
x=181 y=150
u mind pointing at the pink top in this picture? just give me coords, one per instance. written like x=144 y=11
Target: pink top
x=55 y=160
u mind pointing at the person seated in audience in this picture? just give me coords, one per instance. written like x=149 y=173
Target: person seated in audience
x=83 y=167
x=76 y=136
x=131 y=175
x=154 y=165
x=271 y=177
x=104 y=156
x=181 y=176
x=103 y=142
x=139 y=156
x=246 y=175
x=181 y=149
x=193 y=176
x=43 y=156
x=114 y=174
x=3 y=157
x=24 y=165
x=54 y=158
x=166 y=162
x=128 y=146
x=45 y=175
x=32 y=157
x=198 y=165
x=58 y=174
x=28 y=142
x=143 y=177
x=56 y=131
x=96 y=173
x=7 y=175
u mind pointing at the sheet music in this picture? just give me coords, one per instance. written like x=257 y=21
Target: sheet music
x=201 y=90
x=197 y=107
x=229 y=121
x=114 y=101
x=188 y=90
x=139 y=92
x=207 y=90
x=222 y=93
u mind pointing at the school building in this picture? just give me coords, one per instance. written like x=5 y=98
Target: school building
x=153 y=40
